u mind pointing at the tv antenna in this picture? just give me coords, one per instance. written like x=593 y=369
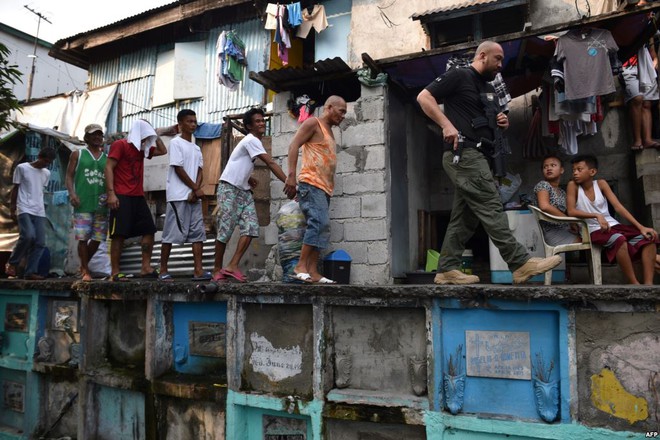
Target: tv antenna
x=34 y=52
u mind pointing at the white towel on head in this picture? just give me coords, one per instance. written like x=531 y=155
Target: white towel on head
x=142 y=130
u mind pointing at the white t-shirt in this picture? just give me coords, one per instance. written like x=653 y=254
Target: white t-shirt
x=31 y=182
x=189 y=156
x=241 y=162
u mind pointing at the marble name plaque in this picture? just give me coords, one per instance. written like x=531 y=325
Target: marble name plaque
x=207 y=338
x=16 y=317
x=504 y=355
x=65 y=316
x=14 y=396
x=284 y=428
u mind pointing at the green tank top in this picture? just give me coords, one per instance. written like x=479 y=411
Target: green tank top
x=89 y=182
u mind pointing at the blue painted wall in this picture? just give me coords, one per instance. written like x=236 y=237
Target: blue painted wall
x=496 y=395
x=333 y=41
x=18 y=346
x=205 y=312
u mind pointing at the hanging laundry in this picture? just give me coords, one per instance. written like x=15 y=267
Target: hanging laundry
x=295 y=14
x=271 y=16
x=282 y=35
x=231 y=59
x=315 y=19
x=586 y=61
x=301 y=108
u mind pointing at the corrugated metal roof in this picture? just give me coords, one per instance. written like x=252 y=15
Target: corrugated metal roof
x=455 y=7
x=130 y=18
x=281 y=79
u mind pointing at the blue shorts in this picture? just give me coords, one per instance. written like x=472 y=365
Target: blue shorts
x=315 y=205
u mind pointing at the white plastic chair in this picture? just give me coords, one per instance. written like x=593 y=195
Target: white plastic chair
x=593 y=251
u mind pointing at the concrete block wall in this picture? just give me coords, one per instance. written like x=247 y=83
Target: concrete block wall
x=359 y=207
x=647 y=165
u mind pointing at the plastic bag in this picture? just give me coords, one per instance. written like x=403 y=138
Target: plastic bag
x=291 y=226
x=508 y=186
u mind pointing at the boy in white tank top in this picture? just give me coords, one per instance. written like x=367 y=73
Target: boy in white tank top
x=589 y=199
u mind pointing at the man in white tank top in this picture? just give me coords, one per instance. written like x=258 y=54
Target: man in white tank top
x=588 y=198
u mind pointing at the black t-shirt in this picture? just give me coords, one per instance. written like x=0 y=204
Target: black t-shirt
x=460 y=90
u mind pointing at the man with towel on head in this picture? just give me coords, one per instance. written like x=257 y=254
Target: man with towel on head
x=124 y=181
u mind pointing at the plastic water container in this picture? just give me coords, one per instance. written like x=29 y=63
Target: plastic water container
x=432 y=258
x=466 y=261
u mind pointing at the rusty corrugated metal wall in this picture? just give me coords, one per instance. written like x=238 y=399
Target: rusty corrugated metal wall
x=135 y=73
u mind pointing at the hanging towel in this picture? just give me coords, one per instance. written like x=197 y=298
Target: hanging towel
x=271 y=16
x=316 y=19
x=142 y=130
x=295 y=14
x=208 y=131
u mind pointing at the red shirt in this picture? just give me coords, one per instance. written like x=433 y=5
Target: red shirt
x=129 y=171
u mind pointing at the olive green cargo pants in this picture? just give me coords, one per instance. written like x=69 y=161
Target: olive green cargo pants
x=476 y=199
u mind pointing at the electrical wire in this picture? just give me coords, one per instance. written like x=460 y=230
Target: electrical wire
x=389 y=23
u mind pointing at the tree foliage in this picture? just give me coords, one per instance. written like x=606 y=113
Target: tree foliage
x=9 y=75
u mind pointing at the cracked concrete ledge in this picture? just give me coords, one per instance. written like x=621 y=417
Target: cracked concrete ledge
x=140 y=289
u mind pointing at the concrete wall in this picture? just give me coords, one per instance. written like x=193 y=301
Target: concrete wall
x=604 y=353
x=392 y=32
x=359 y=207
x=402 y=35
x=336 y=430
x=620 y=376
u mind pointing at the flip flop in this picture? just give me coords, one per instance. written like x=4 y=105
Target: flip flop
x=653 y=144
x=121 y=277
x=87 y=277
x=218 y=277
x=206 y=276
x=10 y=270
x=153 y=274
x=325 y=280
x=637 y=147
x=238 y=276
x=165 y=277
x=303 y=276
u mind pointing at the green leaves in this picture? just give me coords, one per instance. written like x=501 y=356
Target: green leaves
x=9 y=76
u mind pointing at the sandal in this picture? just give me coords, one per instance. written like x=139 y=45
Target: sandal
x=10 y=270
x=237 y=275
x=153 y=274
x=165 y=277
x=325 y=280
x=121 y=277
x=218 y=277
x=637 y=147
x=206 y=276
x=303 y=276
